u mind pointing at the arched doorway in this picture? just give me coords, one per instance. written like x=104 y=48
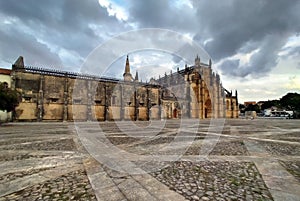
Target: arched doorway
x=208 y=109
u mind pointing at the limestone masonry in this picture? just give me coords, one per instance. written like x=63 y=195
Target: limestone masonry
x=193 y=92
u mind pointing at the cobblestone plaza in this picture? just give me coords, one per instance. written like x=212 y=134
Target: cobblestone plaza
x=238 y=159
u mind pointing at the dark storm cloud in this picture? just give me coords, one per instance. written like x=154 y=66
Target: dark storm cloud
x=267 y=57
x=162 y=14
x=260 y=62
x=15 y=43
x=249 y=46
x=226 y=28
x=32 y=11
x=233 y=23
x=242 y=26
x=231 y=64
x=59 y=28
x=52 y=25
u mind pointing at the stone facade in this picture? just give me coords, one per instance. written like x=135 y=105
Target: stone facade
x=197 y=92
x=51 y=95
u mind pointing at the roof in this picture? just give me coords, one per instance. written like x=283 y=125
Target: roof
x=250 y=103
x=5 y=71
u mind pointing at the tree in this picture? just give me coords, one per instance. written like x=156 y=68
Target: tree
x=270 y=103
x=252 y=107
x=242 y=108
x=291 y=101
x=9 y=99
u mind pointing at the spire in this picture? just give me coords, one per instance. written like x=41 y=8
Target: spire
x=218 y=77
x=209 y=63
x=127 y=76
x=127 y=66
x=19 y=63
x=136 y=77
x=197 y=61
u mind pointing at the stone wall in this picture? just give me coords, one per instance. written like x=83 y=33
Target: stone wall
x=52 y=97
x=194 y=92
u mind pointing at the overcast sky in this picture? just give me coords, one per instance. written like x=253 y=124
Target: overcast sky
x=254 y=45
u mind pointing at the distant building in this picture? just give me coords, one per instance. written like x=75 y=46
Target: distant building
x=250 y=114
x=249 y=103
x=52 y=95
x=271 y=112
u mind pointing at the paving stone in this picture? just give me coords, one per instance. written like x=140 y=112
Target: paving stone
x=46 y=161
x=222 y=173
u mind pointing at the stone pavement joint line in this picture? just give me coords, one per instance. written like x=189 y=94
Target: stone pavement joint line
x=250 y=160
x=27 y=181
x=282 y=185
x=125 y=186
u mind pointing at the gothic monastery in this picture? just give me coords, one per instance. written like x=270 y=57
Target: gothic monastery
x=51 y=95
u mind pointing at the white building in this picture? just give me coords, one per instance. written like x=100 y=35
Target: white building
x=5 y=78
x=278 y=113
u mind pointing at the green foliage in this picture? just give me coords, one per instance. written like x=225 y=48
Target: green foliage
x=270 y=103
x=291 y=101
x=9 y=99
x=241 y=107
x=253 y=108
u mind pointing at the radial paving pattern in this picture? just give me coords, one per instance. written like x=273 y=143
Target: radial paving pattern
x=246 y=160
